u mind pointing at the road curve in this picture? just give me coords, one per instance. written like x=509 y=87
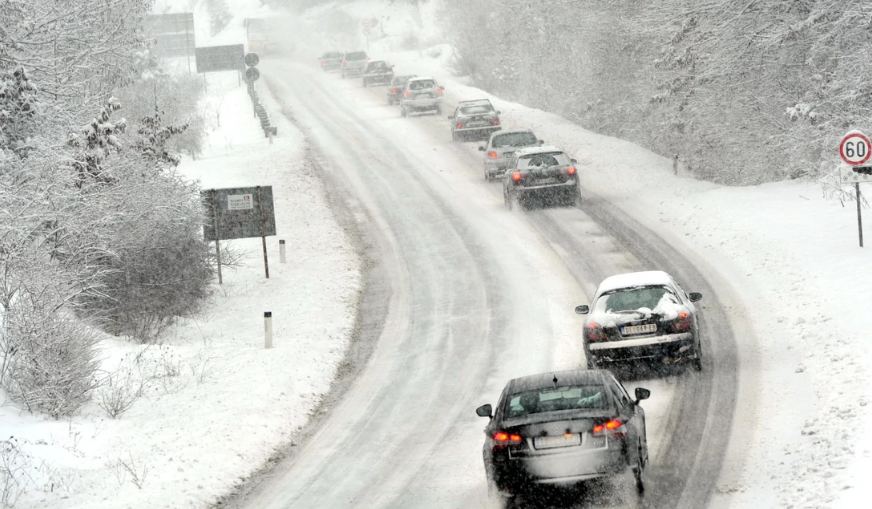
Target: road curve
x=477 y=295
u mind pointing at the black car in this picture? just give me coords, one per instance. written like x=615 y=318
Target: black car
x=396 y=87
x=563 y=428
x=331 y=60
x=476 y=119
x=377 y=72
x=545 y=172
x=642 y=316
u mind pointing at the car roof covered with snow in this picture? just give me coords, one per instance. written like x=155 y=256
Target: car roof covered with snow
x=423 y=78
x=634 y=279
x=475 y=102
x=512 y=131
x=538 y=150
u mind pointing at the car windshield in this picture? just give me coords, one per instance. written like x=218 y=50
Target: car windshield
x=514 y=140
x=401 y=80
x=356 y=55
x=332 y=55
x=421 y=84
x=377 y=66
x=543 y=160
x=476 y=109
x=552 y=399
x=648 y=298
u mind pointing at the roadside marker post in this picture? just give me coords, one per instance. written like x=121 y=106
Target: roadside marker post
x=856 y=149
x=282 y=251
x=267 y=329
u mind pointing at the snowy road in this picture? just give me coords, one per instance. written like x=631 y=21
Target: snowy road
x=478 y=295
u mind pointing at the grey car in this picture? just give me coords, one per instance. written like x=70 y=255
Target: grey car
x=377 y=72
x=331 y=61
x=642 y=316
x=561 y=429
x=421 y=94
x=396 y=87
x=544 y=172
x=501 y=146
x=353 y=63
x=476 y=118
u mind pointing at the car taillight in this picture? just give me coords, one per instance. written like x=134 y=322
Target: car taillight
x=345 y=62
x=393 y=90
x=323 y=63
x=492 y=155
x=406 y=93
x=570 y=170
x=614 y=428
x=503 y=438
x=439 y=91
x=496 y=122
x=593 y=332
x=460 y=126
x=367 y=59
x=516 y=176
x=683 y=322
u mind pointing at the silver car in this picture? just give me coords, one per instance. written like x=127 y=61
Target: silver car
x=561 y=429
x=421 y=94
x=546 y=173
x=501 y=146
x=353 y=63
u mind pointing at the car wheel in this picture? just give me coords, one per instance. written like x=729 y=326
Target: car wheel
x=487 y=175
x=697 y=361
x=403 y=111
x=453 y=135
x=592 y=362
x=438 y=111
x=342 y=73
x=638 y=474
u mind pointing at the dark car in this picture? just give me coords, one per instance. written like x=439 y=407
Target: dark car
x=353 y=63
x=501 y=146
x=377 y=72
x=544 y=172
x=564 y=428
x=476 y=118
x=396 y=86
x=642 y=315
x=331 y=61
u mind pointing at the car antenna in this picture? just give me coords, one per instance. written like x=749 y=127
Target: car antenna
x=554 y=380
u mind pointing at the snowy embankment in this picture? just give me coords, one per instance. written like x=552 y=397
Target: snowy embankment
x=215 y=403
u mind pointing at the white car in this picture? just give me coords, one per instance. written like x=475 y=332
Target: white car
x=421 y=94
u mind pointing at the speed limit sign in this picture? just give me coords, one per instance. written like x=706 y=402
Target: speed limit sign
x=855 y=148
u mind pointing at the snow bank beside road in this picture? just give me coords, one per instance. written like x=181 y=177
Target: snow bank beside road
x=216 y=404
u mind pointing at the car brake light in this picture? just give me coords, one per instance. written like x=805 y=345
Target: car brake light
x=344 y=62
x=492 y=155
x=393 y=90
x=683 y=322
x=496 y=122
x=439 y=91
x=323 y=63
x=367 y=59
x=570 y=170
x=516 y=176
x=460 y=126
x=406 y=93
x=503 y=438
x=613 y=429
x=593 y=332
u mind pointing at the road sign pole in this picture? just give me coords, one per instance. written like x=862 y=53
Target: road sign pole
x=215 y=209
x=262 y=233
x=859 y=213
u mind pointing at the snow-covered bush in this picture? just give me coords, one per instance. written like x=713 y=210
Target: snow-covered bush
x=219 y=15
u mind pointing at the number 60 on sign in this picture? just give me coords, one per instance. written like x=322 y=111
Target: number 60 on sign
x=855 y=148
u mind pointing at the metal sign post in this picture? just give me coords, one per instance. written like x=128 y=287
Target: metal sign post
x=217 y=235
x=856 y=150
x=262 y=233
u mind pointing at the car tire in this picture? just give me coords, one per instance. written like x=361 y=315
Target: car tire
x=453 y=135
x=487 y=175
x=592 y=361
x=511 y=201
x=697 y=361
x=438 y=111
x=639 y=474
x=403 y=112
x=342 y=73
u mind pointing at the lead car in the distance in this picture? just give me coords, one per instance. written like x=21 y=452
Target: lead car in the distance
x=562 y=429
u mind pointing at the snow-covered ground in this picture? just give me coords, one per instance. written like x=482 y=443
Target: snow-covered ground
x=219 y=404
x=216 y=404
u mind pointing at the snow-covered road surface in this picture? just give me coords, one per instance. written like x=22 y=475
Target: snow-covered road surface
x=479 y=295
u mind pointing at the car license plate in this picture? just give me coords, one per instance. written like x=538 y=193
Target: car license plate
x=568 y=440
x=638 y=329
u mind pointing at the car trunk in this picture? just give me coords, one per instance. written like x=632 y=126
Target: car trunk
x=540 y=176
x=640 y=324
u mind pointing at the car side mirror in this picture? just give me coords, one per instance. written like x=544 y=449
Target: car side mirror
x=642 y=393
x=480 y=148
x=582 y=310
x=485 y=411
x=450 y=117
x=695 y=296
x=573 y=161
x=541 y=142
x=499 y=112
x=441 y=87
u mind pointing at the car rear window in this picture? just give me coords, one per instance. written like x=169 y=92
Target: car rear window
x=635 y=299
x=421 y=84
x=377 y=66
x=555 y=399
x=476 y=109
x=514 y=140
x=332 y=55
x=401 y=80
x=356 y=55
x=543 y=160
